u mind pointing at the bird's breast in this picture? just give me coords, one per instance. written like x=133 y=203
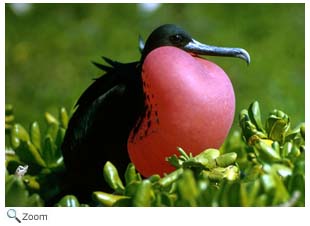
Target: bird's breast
x=189 y=102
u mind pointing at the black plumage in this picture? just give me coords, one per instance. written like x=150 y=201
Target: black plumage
x=99 y=128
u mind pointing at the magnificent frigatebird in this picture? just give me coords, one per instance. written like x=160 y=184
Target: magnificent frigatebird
x=131 y=111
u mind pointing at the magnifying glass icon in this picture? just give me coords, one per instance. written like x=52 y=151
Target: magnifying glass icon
x=12 y=214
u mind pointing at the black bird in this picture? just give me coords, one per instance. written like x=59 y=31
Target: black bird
x=112 y=107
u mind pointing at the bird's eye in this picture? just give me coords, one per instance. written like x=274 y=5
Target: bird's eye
x=176 y=39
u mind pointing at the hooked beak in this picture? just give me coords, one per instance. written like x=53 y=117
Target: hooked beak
x=202 y=49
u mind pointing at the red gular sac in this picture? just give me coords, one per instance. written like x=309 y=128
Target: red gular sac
x=190 y=103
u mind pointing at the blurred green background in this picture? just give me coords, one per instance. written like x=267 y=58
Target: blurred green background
x=49 y=49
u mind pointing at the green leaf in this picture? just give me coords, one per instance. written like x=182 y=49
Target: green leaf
x=31 y=183
x=63 y=117
x=226 y=159
x=18 y=134
x=9 y=109
x=28 y=154
x=52 y=130
x=143 y=196
x=131 y=189
x=16 y=194
x=266 y=153
x=174 y=161
x=68 y=201
x=302 y=130
x=232 y=173
x=131 y=175
x=249 y=192
x=281 y=194
x=49 y=149
x=112 y=178
x=170 y=178
x=207 y=157
x=50 y=119
x=277 y=125
x=186 y=189
x=35 y=135
x=296 y=182
x=255 y=116
x=59 y=139
x=106 y=199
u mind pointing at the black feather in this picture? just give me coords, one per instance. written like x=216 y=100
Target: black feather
x=102 y=67
x=111 y=62
x=99 y=128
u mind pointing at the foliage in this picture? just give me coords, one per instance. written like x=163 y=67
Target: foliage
x=264 y=165
x=40 y=152
x=17 y=194
x=70 y=201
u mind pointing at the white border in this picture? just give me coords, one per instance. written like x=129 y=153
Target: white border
x=162 y=216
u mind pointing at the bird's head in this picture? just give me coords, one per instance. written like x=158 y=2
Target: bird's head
x=172 y=35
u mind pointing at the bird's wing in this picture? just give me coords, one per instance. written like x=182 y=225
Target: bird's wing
x=101 y=95
x=85 y=117
x=102 y=84
x=99 y=128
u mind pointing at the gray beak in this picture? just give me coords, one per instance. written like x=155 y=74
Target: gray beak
x=202 y=49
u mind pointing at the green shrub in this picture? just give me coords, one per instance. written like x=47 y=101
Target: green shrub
x=263 y=165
